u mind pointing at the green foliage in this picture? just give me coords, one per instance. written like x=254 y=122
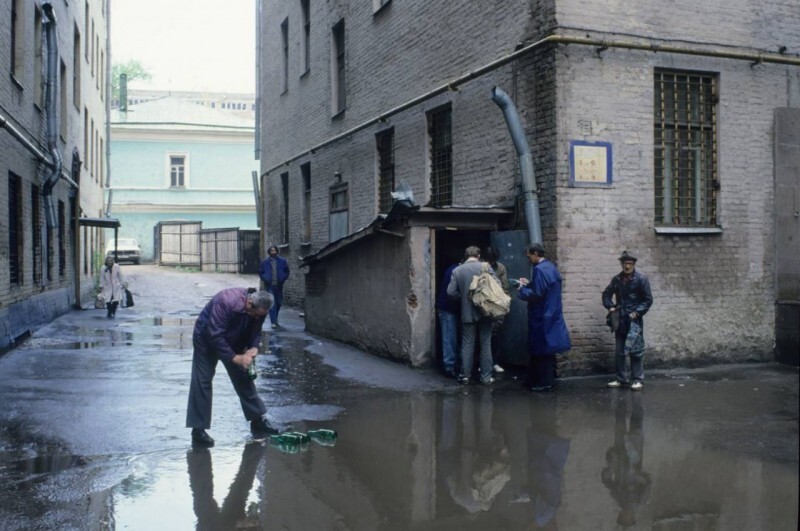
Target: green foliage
x=133 y=69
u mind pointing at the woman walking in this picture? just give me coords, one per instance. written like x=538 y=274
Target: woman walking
x=112 y=285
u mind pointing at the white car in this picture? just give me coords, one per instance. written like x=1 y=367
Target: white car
x=127 y=250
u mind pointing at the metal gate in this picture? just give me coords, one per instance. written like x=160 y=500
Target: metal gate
x=178 y=243
x=249 y=254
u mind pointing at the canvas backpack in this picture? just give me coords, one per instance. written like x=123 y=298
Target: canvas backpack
x=486 y=293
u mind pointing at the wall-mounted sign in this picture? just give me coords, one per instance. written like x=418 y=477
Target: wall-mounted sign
x=589 y=163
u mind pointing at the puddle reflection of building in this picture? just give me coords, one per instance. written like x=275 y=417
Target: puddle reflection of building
x=628 y=484
x=547 y=456
x=234 y=513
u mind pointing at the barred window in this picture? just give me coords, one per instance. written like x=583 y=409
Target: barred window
x=441 y=156
x=385 y=146
x=62 y=240
x=685 y=144
x=339 y=215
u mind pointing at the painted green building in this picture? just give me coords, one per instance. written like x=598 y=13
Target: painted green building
x=174 y=159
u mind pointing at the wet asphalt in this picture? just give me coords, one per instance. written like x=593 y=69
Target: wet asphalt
x=92 y=436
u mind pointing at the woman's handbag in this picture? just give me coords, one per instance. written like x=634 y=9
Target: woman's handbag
x=99 y=302
x=128 y=298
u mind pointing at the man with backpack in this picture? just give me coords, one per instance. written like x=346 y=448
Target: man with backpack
x=473 y=321
x=547 y=331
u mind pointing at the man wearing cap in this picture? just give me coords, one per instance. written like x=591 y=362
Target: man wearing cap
x=630 y=297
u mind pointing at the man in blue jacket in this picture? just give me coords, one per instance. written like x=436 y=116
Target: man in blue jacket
x=547 y=331
x=274 y=271
x=228 y=330
x=631 y=290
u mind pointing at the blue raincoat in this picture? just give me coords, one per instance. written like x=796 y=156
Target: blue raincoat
x=547 y=331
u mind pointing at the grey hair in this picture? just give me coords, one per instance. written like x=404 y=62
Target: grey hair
x=261 y=299
x=473 y=251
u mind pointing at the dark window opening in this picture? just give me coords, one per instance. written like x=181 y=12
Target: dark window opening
x=385 y=145
x=285 y=206
x=15 y=238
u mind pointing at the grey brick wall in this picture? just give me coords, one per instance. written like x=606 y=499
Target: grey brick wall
x=31 y=303
x=714 y=293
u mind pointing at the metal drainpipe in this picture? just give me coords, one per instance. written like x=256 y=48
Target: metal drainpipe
x=52 y=115
x=601 y=44
x=525 y=164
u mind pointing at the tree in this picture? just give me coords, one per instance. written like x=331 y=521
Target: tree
x=133 y=69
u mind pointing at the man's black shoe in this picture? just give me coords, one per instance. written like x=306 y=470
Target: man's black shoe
x=201 y=438
x=261 y=429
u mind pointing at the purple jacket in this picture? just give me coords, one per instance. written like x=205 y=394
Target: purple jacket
x=224 y=328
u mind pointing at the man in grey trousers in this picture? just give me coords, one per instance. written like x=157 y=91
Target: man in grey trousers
x=472 y=321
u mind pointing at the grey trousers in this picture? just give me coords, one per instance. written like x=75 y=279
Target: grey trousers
x=483 y=329
x=637 y=362
x=204 y=366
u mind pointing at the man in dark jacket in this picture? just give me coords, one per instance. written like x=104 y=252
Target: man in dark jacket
x=274 y=271
x=449 y=318
x=228 y=330
x=547 y=331
x=628 y=294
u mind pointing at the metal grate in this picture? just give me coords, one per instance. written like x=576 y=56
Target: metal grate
x=385 y=145
x=441 y=153
x=685 y=143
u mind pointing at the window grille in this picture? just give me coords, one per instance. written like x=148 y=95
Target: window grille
x=441 y=157
x=385 y=145
x=685 y=144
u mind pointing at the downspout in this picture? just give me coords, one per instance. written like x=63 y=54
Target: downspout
x=52 y=115
x=107 y=81
x=525 y=164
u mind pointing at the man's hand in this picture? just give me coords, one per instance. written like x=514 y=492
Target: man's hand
x=523 y=281
x=634 y=316
x=244 y=360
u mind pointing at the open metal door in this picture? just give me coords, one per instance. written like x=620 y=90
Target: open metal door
x=511 y=246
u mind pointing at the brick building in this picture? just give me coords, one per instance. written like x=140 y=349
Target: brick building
x=53 y=94
x=647 y=133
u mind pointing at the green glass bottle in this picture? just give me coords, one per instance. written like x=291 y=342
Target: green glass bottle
x=323 y=436
x=251 y=370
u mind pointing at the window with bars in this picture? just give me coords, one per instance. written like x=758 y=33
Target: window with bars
x=285 y=206
x=685 y=149
x=384 y=142
x=305 y=170
x=440 y=140
x=177 y=171
x=36 y=234
x=15 y=239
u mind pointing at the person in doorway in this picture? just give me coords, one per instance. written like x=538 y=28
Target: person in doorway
x=547 y=331
x=449 y=311
x=490 y=255
x=628 y=294
x=112 y=285
x=228 y=330
x=274 y=271
x=473 y=324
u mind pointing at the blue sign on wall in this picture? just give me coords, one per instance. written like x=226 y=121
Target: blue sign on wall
x=590 y=163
